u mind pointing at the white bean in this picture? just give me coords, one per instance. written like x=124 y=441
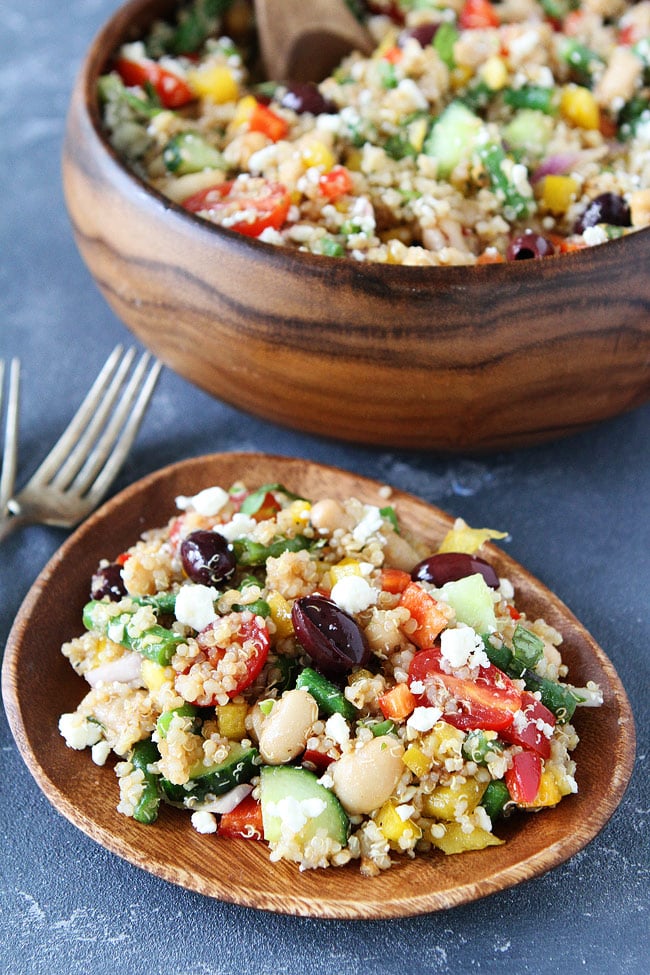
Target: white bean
x=284 y=733
x=398 y=552
x=365 y=778
x=327 y=515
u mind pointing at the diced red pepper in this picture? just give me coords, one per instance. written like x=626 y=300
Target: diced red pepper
x=336 y=183
x=268 y=508
x=489 y=702
x=394 y=581
x=513 y=613
x=123 y=558
x=320 y=761
x=243 y=822
x=423 y=608
x=524 y=777
x=268 y=204
x=529 y=735
x=172 y=90
x=263 y=119
x=478 y=14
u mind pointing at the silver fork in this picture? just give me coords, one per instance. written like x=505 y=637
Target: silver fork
x=80 y=468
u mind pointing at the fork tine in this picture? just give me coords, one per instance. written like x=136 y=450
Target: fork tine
x=10 y=447
x=98 y=472
x=67 y=442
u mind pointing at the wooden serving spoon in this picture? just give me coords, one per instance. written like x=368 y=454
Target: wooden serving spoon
x=304 y=40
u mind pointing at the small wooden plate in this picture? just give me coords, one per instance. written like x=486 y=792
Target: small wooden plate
x=38 y=684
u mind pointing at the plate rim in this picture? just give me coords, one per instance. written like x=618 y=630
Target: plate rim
x=372 y=906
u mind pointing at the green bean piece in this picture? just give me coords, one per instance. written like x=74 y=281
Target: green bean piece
x=532 y=96
x=328 y=696
x=155 y=643
x=495 y=798
x=493 y=158
x=166 y=718
x=581 y=59
x=478 y=746
x=382 y=728
x=558 y=698
x=443 y=42
x=162 y=602
x=259 y=607
x=143 y=755
x=248 y=552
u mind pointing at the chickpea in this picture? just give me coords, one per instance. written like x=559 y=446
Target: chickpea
x=327 y=515
x=365 y=778
x=398 y=552
x=283 y=734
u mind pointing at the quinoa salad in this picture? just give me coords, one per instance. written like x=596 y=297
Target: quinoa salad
x=306 y=674
x=476 y=132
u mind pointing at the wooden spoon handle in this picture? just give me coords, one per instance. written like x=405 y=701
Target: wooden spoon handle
x=304 y=40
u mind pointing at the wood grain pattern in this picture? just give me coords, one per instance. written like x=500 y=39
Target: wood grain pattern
x=38 y=684
x=478 y=358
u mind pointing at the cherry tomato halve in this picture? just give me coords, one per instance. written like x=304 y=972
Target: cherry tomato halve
x=524 y=776
x=488 y=702
x=336 y=183
x=476 y=14
x=260 y=203
x=172 y=90
x=254 y=638
x=529 y=733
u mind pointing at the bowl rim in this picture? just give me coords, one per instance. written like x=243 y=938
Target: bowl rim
x=97 y=60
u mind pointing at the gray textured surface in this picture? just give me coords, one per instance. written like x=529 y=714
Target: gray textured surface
x=578 y=515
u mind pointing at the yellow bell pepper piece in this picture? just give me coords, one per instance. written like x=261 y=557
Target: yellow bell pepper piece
x=559 y=192
x=316 y=154
x=455 y=840
x=462 y=538
x=243 y=112
x=394 y=827
x=215 y=82
x=299 y=511
x=495 y=73
x=155 y=675
x=280 y=614
x=578 y=106
x=548 y=793
x=346 y=567
x=231 y=719
x=445 y=802
x=415 y=760
x=445 y=740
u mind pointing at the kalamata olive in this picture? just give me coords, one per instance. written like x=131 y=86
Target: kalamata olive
x=423 y=34
x=107 y=581
x=450 y=566
x=207 y=557
x=304 y=96
x=331 y=637
x=528 y=246
x=606 y=208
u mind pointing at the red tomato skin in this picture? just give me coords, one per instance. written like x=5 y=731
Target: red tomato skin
x=524 y=777
x=266 y=121
x=271 y=209
x=336 y=183
x=249 y=630
x=530 y=736
x=172 y=90
x=477 y=14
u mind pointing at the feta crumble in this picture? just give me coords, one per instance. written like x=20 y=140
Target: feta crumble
x=195 y=605
x=353 y=594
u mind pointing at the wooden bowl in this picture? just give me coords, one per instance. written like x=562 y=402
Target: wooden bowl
x=459 y=358
x=38 y=684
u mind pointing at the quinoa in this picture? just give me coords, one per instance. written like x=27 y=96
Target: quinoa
x=463 y=138
x=293 y=684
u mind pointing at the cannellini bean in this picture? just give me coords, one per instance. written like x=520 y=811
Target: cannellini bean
x=284 y=733
x=327 y=515
x=365 y=778
x=621 y=78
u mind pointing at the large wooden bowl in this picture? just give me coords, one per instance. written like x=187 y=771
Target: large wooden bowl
x=451 y=358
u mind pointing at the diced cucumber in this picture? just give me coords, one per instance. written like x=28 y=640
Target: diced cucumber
x=295 y=804
x=240 y=766
x=453 y=137
x=188 y=152
x=472 y=600
x=328 y=696
x=529 y=131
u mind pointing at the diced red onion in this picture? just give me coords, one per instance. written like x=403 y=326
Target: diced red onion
x=556 y=165
x=125 y=669
x=228 y=801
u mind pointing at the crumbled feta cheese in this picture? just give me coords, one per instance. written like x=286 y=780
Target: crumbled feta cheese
x=594 y=235
x=405 y=811
x=295 y=813
x=353 y=594
x=208 y=502
x=423 y=719
x=337 y=728
x=204 y=822
x=506 y=588
x=78 y=731
x=239 y=526
x=417 y=687
x=195 y=605
x=370 y=524
x=457 y=644
x=100 y=752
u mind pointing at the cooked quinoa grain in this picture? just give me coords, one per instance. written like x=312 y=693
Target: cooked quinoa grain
x=335 y=704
